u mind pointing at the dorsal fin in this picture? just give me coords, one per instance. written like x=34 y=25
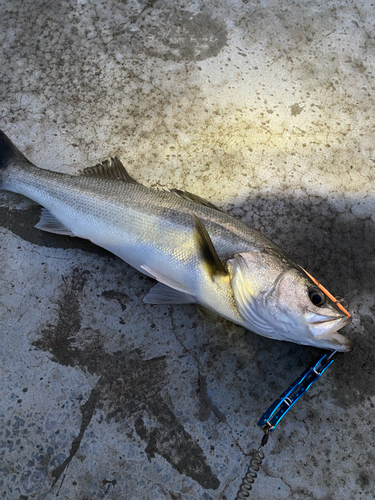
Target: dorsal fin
x=112 y=169
x=196 y=199
x=207 y=249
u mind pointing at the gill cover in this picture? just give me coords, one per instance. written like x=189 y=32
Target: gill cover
x=254 y=276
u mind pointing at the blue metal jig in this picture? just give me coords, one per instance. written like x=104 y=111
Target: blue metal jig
x=283 y=404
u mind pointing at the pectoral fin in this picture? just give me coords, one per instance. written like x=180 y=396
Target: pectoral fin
x=164 y=279
x=207 y=249
x=162 y=294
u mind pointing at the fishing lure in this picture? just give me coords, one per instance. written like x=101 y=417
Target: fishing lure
x=277 y=411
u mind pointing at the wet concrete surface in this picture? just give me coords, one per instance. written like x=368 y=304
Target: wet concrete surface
x=264 y=108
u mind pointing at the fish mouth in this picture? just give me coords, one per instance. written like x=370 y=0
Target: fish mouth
x=325 y=332
x=336 y=342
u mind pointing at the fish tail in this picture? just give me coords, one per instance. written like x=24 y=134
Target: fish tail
x=8 y=152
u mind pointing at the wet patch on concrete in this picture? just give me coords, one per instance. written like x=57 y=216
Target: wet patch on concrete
x=169 y=439
x=121 y=297
x=354 y=376
x=87 y=410
x=206 y=406
x=117 y=83
x=128 y=386
x=22 y=222
x=188 y=36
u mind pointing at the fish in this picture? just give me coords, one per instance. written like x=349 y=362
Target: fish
x=197 y=252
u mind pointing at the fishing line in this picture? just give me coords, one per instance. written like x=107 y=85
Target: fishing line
x=252 y=470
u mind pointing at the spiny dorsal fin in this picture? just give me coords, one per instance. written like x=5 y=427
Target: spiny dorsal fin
x=196 y=199
x=207 y=249
x=111 y=169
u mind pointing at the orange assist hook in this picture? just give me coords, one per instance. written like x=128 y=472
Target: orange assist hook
x=329 y=295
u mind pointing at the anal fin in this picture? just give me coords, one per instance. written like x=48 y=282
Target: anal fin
x=49 y=223
x=162 y=294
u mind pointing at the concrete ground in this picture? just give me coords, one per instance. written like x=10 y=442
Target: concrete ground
x=265 y=108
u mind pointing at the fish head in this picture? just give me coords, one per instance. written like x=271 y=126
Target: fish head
x=278 y=300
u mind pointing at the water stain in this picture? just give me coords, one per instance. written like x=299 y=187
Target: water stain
x=87 y=410
x=170 y=440
x=187 y=36
x=353 y=374
x=22 y=222
x=206 y=406
x=296 y=109
x=121 y=297
x=128 y=385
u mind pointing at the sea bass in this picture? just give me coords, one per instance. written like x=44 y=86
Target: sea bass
x=197 y=252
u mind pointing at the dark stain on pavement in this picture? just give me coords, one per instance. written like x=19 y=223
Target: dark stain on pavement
x=121 y=297
x=22 y=222
x=206 y=406
x=87 y=411
x=189 y=37
x=170 y=440
x=129 y=385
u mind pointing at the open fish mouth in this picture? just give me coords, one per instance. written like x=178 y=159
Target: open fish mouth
x=326 y=332
x=337 y=342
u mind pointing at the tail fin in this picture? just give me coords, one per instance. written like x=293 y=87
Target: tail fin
x=8 y=151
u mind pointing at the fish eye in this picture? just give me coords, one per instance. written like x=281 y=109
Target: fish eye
x=317 y=297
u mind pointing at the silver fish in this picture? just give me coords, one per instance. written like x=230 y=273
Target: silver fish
x=195 y=251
